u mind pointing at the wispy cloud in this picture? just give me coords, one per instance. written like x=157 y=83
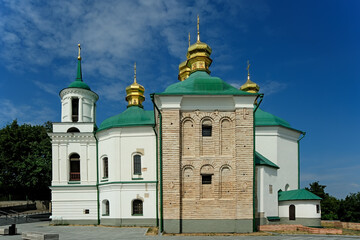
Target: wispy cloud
x=271 y=87
x=47 y=87
x=24 y=113
x=112 y=32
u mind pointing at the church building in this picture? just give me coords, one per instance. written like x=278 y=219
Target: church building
x=206 y=158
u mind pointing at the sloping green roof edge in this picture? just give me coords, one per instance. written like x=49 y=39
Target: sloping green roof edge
x=299 y=194
x=261 y=160
x=132 y=117
x=201 y=83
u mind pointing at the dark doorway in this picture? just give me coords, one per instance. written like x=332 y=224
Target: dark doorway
x=292 y=212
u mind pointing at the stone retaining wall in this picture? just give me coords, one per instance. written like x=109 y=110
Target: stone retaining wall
x=338 y=224
x=299 y=228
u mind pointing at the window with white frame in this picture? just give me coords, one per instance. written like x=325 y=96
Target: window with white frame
x=137 y=164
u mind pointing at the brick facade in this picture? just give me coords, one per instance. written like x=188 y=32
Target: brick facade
x=225 y=158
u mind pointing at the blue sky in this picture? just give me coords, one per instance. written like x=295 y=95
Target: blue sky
x=305 y=55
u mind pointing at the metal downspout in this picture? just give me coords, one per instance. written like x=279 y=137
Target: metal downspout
x=161 y=225
x=157 y=176
x=298 y=142
x=254 y=167
x=97 y=179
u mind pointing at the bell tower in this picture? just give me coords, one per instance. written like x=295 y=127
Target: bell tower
x=78 y=102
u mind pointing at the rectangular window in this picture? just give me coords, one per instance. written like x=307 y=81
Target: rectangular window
x=106 y=168
x=206 y=179
x=75 y=109
x=137 y=165
x=206 y=131
x=317 y=208
x=270 y=189
x=87 y=211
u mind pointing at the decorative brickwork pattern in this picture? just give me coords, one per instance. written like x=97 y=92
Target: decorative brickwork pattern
x=207 y=177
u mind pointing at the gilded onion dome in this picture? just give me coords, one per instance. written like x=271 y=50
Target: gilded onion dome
x=135 y=93
x=198 y=58
x=199 y=54
x=250 y=86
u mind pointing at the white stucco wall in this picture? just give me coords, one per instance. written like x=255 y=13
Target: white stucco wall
x=69 y=203
x=87 y=108
x=120 y=144
x=267 y=202
x=63 y=145
x=303 y=208
x=120 y=197
x=279 y=145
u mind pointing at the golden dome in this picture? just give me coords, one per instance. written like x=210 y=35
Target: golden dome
x=135 y=93
x=250 y=86
x=184 y=71
x=198 y=58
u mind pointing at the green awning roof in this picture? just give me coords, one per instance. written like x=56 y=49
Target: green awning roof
x=261 y=160
x=299 y=194
x=201 y=83
x=133 y=116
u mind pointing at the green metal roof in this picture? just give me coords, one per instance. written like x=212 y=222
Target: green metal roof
x=201 y=83
x=78 y=83
x=299 y=194
x=261 y=160
x=133 y=116
x=263 y=118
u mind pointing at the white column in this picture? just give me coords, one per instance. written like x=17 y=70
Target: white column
x=70 y=109
x=80 y=109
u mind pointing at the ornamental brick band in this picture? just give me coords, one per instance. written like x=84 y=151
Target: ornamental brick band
x=299 y=228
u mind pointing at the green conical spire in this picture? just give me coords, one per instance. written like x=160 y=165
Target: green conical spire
x=79 y=83
x=79 y=74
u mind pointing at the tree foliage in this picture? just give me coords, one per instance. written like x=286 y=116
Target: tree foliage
x=25 y=160
x=329 y=204
x=346 y=210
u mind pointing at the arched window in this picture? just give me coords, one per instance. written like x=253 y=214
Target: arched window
x=137 y=164
x=292 y=212
x=75 y=109
x=137 y=207
x=206 y=128
x=73 y=129
x=105 y=167
x=105 y=208
x=287 y=187
x=74 y=167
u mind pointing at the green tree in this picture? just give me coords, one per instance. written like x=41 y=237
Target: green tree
x=329 y=204
x=25 y=160
x=350 y=208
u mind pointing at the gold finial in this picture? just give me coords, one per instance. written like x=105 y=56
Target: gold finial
x=248 y=68
x=198 y=27
x=79 y=57
x=135 y=92
x=249 y=86
x=189 y=39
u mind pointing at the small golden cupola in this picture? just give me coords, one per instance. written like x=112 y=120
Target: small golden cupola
x=198 y=57
x=250 y=86
x=199 y=54
x=135 y=93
